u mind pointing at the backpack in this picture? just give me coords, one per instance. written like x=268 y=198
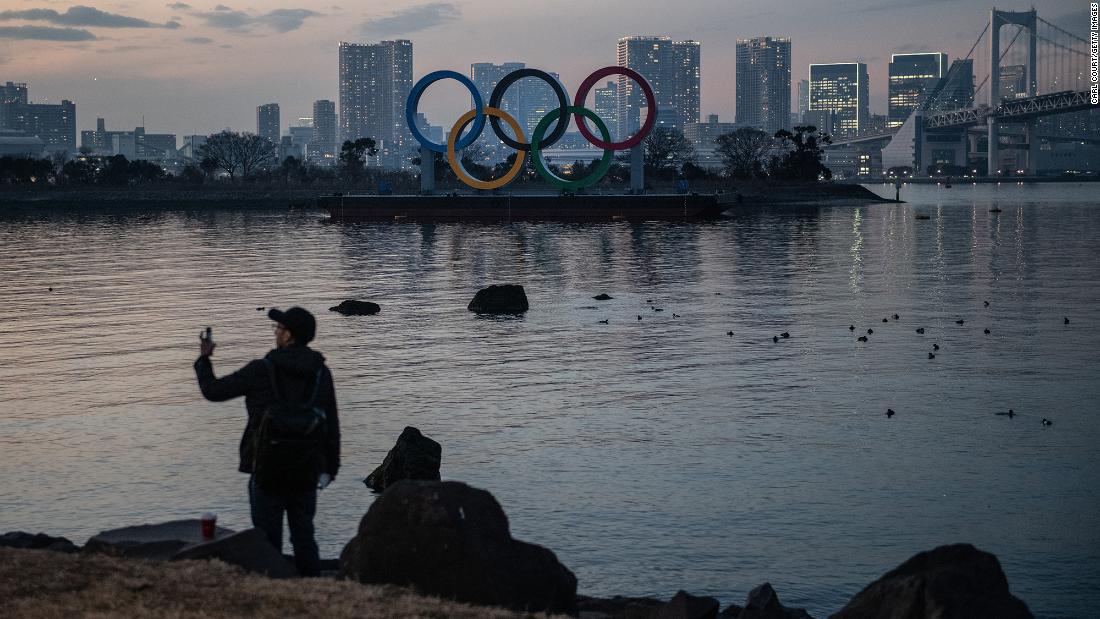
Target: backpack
x=289 y=440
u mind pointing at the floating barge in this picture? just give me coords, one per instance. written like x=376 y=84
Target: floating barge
x=523 y=207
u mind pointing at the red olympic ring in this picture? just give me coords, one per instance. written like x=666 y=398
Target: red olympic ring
x=651 y=108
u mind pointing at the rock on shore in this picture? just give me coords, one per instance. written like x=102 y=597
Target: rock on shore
x=949 y=582
x=451 y=540
x=414 y=456
x=36 y=541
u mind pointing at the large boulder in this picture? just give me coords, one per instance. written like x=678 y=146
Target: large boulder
x=499 y=299
x=248 y=549
x=414 y=456
x=683 y=605
x=151 y=541
x=351 y=307
x=763 y=603
x=618 y=607
x=450 y=540
x=949 y=582
x=36 y=541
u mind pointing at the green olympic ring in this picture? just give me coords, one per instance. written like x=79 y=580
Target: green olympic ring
x=540 y=165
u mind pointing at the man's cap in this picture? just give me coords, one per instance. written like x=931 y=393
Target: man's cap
x=298 y=321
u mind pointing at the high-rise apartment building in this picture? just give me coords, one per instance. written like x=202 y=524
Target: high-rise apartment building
x=375 y=80
x=672 y=70
x=323 y=143
x=486 y=76
x=267 y=122
x=607 y=106
x=842 y=89
x=764 y=83
x=912 y=78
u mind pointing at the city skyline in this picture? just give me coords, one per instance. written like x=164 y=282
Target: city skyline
x=177 y=71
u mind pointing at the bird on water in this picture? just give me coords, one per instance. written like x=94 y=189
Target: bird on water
x=931 y=356
x=920 y=330
x=1010 y=414
x=959 y=321
x=784 y=335
x=851 y=327
x=935 y=346
x=890 y=412
x=775 y=338
x=896 y=317
x=870 y=331
x=863 y=338
x=1047 y=422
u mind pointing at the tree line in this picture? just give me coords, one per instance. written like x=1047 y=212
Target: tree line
x=234 y=157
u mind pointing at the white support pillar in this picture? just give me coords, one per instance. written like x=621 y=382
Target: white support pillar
x=1032 y=136
x=993 y=164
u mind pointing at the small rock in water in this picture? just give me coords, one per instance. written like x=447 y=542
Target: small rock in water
x=351 y=307
x=987 y=303
x=729 y=333
x=885 y=320
x=658 y=309
x=1065 y=321
x=260 y=309
x=959 y=321
x=775 y=338
x=1047 y=422
x=987 y=331
x=896 y=317
x=50 y=289
x=603 y=297
x=639 y=316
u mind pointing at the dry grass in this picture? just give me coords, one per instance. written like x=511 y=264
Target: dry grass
x=43 y=584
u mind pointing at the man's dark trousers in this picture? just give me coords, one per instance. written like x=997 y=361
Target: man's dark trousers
x=299 y=506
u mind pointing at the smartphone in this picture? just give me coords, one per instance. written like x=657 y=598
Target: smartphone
x=206 y=335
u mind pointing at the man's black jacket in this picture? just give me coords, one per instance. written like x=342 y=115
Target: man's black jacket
x=296 y=371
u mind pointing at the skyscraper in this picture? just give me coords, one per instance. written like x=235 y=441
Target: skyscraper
x=267 y=122
x=672 y=70
x=486 y=76
x=323 y=143
x=685 y=93
x=1013 y=81
x=956 y=89
x=764 y=83
x=912 y=77
x=841 y=88
x=375 y=80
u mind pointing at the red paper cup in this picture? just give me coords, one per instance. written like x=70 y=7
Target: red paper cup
x=209 y=525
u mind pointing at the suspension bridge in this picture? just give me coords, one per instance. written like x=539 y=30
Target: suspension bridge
x=1034 y=89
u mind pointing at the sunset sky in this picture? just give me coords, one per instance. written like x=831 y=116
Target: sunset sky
x=199 y=67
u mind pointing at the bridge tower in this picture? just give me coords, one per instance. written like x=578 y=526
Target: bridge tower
x=1028 y=20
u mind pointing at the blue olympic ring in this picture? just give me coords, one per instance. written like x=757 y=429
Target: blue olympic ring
x=413 y=102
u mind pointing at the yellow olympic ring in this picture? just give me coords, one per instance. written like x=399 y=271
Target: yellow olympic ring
x=456 y=165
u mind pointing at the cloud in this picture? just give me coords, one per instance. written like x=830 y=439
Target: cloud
x=911 y=48
x=179 y=6
x=279 y=20
x=45 y=33
x=84 y=16
x=199 y=40
x=412 y=19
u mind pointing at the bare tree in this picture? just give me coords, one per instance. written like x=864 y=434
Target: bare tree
x=744 y=151
x=667 y=148
x=238 y=153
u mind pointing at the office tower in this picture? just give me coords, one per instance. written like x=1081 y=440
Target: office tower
x=135 y=144
x=841 y=88
x=1013 y=81
x=955 y=90
x=267 y=122
x=803 y=98
x=375 y=80
x=323 y=143
x=702 y=136
x=672 y=70
x=912 y=77
x=607 y=102
x=54 y=124
x=764 y=83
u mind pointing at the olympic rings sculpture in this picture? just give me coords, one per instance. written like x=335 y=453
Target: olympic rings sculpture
x=539 y=140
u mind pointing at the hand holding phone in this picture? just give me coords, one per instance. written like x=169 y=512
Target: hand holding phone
x=206 y=343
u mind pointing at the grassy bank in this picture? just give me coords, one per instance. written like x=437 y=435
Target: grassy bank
x=40 y=583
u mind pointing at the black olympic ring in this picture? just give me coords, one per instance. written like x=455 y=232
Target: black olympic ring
x=559 y=92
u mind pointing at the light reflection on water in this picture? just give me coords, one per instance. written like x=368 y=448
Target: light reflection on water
x=650 y=455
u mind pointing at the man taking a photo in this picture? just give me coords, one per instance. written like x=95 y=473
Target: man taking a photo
x=291 y=443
